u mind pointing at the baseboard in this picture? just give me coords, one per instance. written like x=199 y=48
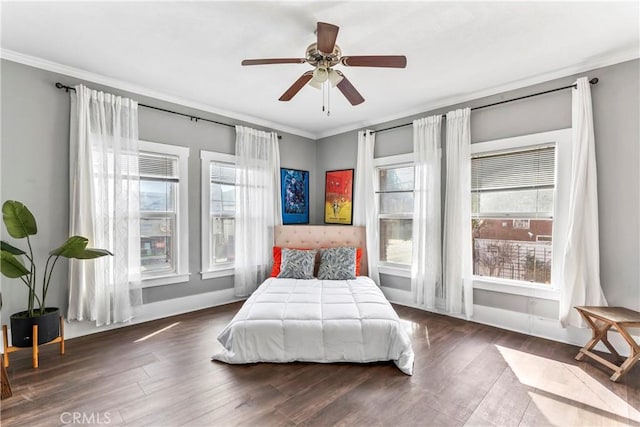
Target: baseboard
x=543 y=327
x=405 y=298
x=525 y=323
x=398 y=296
x=153 y=311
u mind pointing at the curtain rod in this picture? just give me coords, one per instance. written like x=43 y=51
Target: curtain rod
x=191 y=117
x=593 y=81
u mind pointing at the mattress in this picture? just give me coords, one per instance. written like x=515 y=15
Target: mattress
x=325 y=321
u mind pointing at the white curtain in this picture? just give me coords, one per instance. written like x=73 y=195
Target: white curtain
x=457 y=215
x=257 y=206
x=365 y=199
x=426 y=270
x=104 y=206
x=581 y=284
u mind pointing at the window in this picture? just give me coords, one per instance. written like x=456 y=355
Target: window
x=523 y=224
x=218 y=213
x=163 y=213
x=394 y=189
x=515 y=207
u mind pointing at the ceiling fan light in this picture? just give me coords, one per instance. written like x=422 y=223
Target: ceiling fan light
x=334 y=77
x=315 y=84
x=320 y=75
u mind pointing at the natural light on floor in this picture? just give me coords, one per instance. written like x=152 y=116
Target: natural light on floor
x=146 y=337
x=413 y=328
x=566 y=391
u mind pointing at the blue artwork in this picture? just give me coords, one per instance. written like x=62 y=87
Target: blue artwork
x=295 y=196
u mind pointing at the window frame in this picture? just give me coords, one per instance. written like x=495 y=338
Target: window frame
x=206 y=158
x=562 y=141
x=181 y=259
x=396 y=161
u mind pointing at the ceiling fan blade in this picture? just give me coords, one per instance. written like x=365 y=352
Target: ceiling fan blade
x=274 y=61
x=389 y=61
x=327 y=35
x=349 y=92
x=295 y=88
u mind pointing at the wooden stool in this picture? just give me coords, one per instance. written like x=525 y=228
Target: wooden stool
x=618 y=319
x=35 y=348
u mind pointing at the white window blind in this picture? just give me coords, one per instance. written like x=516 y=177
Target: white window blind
x=512 y=183
x=158 y=167
x=534 y=168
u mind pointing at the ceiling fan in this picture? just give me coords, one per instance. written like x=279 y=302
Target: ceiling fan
x=324 y=55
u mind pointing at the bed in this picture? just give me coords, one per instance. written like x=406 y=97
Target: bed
x=314 y=320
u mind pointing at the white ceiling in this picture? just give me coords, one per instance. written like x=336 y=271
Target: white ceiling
x=191 y=51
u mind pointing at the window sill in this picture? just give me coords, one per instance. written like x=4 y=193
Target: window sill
x=394 y=271
x=516 y=288
x=151 y=282
x=212 y=274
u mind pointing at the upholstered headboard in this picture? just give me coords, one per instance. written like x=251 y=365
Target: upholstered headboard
x=323 y=236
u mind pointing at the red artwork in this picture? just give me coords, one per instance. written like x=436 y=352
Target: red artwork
x=338 y=195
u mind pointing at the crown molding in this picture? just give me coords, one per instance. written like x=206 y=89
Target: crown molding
x=78 y=73
x=591 y=64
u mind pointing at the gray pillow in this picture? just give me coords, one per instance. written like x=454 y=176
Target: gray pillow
x=297 y=264
x=337 y=264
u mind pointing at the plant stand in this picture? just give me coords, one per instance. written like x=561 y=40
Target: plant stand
x=34 y=349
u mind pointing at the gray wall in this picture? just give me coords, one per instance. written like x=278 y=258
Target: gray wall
x=34 y=166
x=35 y=169
x=616 y=100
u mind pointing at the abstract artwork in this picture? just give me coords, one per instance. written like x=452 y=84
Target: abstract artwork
x=338 y=197
x=295 y=196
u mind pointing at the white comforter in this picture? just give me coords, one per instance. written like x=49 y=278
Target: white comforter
x=288 y=320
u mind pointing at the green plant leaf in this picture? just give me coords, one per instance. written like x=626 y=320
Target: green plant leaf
x=91 y=253
x=11 y=249
x=19 y=221
x=11 y=266
x=76 y=247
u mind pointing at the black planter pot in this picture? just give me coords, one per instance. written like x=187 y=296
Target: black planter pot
x=22 y=327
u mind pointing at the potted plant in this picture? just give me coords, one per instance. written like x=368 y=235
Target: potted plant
x=21 y=224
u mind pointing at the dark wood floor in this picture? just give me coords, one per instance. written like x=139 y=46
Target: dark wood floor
x=465 y=374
